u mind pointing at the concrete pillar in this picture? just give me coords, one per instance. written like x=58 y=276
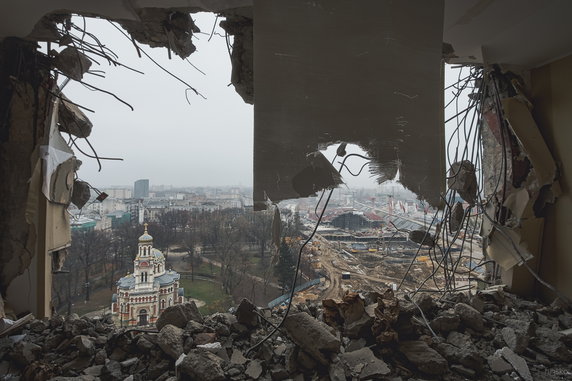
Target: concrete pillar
x=25 y=112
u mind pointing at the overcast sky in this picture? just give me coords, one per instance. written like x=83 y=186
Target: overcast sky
x=166 y=139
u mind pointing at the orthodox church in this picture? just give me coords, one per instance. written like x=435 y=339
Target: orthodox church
x=150 y=289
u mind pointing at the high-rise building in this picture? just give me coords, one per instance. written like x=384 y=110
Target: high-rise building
x=141 y=188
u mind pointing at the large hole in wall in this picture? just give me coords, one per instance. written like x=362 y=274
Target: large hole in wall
x=172 y=142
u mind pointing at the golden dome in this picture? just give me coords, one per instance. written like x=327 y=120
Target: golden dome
x=145 y=237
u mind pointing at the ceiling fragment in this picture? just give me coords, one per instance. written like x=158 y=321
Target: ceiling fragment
x=376 y=86
x=159 y=27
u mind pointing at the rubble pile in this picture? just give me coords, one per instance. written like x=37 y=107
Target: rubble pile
x=490 y=336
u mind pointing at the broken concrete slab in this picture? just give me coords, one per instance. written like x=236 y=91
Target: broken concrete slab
x=515 y=340
x=237 y=357
x=84 y=345
x=425 y=358
x=170 y=340
x=202 y=365
x=364 y=364
x=179 y=315
x=498 y=364
x=551 y=343
x=447 y=322
x=254 y=369
x=518 y=363
x=470 y=317
x=312 y=336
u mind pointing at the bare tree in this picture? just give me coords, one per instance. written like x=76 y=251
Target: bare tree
x=220 y=236
x=91 y=248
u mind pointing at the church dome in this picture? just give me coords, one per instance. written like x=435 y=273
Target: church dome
x=145 y=237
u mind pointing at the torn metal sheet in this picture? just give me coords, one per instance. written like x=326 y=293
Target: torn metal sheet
x=376 y=87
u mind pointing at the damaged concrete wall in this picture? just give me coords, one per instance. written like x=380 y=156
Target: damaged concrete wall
x=330 y=72
x=239 y=24
x=525 y=160
x=552 y=98
x=24 y=108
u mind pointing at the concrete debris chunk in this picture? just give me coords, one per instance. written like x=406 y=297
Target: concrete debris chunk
x=370 y=367
x=94 y=371
x=422 y=237
x=425 y=358
x=72 y=63
x=468 y=357
x=386 y=314
x=470 y=317
x=237 y=357
x=463 y=371
x=254 y=369
x=446 y=323
x=26 y=352
x=93 y=349
x=456 y=217
x=463 y=179
x=312 y=336
x=179 y=315
x=170 y=340
x=46 y=29
x=84 y=345
x=551 y=343
x=336 y=372
x=498 y=364
x=163 y=27
x=515 y=340
x=72 y=120
x=459 y=340
x=425 y=302
x=246 y=313
x=202 y=365
x=517 y=362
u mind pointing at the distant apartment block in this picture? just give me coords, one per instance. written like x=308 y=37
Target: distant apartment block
x=119 y=193
x=141 y=188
